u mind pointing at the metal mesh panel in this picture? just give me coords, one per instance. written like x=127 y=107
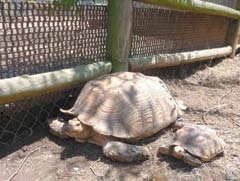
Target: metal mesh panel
x=157 y=31
x=36 y=38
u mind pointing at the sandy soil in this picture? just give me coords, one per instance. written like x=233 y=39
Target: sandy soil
x=211 y=91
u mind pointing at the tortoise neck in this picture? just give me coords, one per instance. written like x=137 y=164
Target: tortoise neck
x=98 y=139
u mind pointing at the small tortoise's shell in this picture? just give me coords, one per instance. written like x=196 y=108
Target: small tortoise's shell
x=126 y=105
x=200 y=141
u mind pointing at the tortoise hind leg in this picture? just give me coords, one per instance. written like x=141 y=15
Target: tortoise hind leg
x=122 y=152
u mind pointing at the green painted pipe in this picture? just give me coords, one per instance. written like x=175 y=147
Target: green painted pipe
x=196 y=6
x=18 y=88
x=167 y=60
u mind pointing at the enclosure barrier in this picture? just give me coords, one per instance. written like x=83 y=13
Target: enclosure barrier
x=199 y=6
x=196 y=6
x=47 y=54
x=118 y=45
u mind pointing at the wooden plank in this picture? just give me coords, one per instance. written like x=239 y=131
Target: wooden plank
x=119 y=33
x=18 y=88
x=166 y=60
x=196 y=6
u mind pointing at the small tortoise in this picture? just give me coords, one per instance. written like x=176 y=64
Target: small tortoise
x=120 y=108
x=194 y=144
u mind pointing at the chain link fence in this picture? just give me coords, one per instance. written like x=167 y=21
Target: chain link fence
x=160 y=31
x=18 y=119
x=36 y=38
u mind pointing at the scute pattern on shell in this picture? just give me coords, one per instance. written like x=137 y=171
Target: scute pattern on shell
x=126 y=105
x=199 y=140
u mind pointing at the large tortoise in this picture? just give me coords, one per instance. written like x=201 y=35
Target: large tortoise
x=120 y=108
x=194 y=144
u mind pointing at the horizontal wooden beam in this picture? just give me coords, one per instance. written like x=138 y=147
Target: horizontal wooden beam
x=196 y=6
x=18 y=88
x=166 y=60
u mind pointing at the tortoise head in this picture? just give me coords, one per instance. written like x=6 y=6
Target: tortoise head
x=76 y=129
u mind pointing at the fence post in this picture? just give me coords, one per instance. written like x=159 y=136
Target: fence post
x=232 y=36
x=119 y=32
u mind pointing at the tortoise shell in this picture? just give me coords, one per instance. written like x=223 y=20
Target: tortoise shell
x=126 y=105
x=200 y=141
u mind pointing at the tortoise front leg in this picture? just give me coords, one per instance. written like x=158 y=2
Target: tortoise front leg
x=191 y=160
x=180 y=153
x=58 y=127
x=122 y=152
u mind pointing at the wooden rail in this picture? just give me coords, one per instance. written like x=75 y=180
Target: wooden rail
x=18 y=88
x=196 y=6
x=166 y=60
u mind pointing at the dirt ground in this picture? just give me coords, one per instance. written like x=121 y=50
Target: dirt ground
x=211 y=91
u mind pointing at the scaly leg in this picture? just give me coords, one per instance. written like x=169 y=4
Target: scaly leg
x=123 y=152
x=191 y=160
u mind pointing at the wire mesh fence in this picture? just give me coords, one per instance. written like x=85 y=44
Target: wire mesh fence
x=157 y=31
x=36 y=38
x=18 y=119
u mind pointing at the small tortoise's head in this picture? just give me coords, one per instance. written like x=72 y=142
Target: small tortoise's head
x=181 y=107
x=179 y=124
x=77 y=130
